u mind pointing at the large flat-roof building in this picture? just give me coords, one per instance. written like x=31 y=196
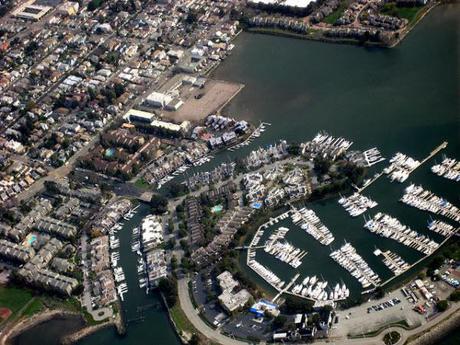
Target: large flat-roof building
x=149 y=120
x=29 y=10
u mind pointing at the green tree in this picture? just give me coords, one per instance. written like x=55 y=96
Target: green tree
x=158 y=204
x=442 y=305
x=279 y=322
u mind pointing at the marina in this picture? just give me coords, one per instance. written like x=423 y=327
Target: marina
x=356 y=204
x=425 y=200
x=387 y=226
x=309 y=221
x=393 y=261
x=449 y=169
x=348 y=258
x=402 y=166
x=391 y=126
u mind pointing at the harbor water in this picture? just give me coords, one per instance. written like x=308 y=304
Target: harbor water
x=402 y=99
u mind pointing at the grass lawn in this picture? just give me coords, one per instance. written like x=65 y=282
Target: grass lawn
x=180 y=319
x=332 y=18
x=34 y=307
x=141 y=183
x=14 y=298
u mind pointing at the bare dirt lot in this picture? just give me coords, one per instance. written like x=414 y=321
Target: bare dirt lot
x=199 y=103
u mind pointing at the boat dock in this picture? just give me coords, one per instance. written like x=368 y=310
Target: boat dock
x=393 y=261
x=286 y=288
x=255 y=134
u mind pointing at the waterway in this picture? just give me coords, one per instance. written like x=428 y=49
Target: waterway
x=401 y=99
x=146 y=318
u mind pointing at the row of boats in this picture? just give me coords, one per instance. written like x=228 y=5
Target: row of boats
x=401 y=166
x=357 y=204
x=425 y=200
x=118 y=273
x=141 y=264
x=449 y=168
x=182 y=169
x=128 y=215
x=348 y=258
x=441 y=228
x=326 y=146
x=314 y=289
x=284 y=251
x=266 y=274
x=393 y=261
x=389 y=227
x=309 y=221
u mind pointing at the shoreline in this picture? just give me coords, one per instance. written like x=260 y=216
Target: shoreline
x=24 y=324
x=273 y=31
x=436 y=332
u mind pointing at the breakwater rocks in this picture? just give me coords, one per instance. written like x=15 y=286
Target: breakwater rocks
x=74 y=337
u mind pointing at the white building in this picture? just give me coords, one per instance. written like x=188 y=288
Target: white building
x=157 y=100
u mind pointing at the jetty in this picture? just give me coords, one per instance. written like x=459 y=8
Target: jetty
x=433 y=153
x=367 y=183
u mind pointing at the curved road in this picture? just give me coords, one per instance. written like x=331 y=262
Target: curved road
x=195 y=319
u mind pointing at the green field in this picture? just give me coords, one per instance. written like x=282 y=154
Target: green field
x=34 y=307
x=180 y=319
x=141 y=183
x=14 y=298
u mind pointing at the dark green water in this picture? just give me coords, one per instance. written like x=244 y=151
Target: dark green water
x=403 y=99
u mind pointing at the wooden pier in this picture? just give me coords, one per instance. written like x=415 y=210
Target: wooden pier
x=432 y=154
x=376 y=177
